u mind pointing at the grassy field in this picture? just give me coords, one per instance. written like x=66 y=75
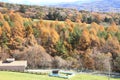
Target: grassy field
x=25 y=76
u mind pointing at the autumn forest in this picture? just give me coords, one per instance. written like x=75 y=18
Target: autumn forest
x=52 y=41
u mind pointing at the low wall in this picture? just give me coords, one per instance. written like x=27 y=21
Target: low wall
x=12 y=68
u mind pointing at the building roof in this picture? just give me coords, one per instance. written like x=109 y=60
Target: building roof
x=14 y=63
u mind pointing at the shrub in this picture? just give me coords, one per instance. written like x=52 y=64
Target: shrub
x=116 y=66
x=36 y=57
x=102 y=61
x=58 y=62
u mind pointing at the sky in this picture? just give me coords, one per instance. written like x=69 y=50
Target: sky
x=41 y=2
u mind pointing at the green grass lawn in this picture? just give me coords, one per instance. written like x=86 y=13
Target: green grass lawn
x=25 y=76
x=36 y=20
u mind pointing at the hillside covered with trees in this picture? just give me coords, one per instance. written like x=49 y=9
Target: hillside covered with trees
x=60 y=44
x=61 y=14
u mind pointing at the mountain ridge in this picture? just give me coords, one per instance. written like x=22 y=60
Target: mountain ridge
x=96 y=6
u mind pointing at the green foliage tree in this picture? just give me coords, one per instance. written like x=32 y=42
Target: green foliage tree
x=61 y=48
x=74 y=37
x=102 y=34
x=118 y=36
x=22 y=9
x=36 y=32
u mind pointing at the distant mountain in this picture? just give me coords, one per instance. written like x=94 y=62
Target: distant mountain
x=42 y=2
x=89 y=5
x=98 y=6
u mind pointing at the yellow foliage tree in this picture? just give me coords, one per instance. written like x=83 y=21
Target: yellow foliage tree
x=93 y=31
x=29 y=30
x=95 y=26
x=1 y=17
x=40 y=24
x=109 y=37
x=85 y=39
x=45 y=32
x=19 y=28
x=88 y=62
x=62 y=25
x=78 y=17
x=18 y=33
x=83 y=25
x=6 y=17
x=113 y=28
x=101 y=28
x=102 y=41
x=16 y=17
x=0 y=31
x=6 y=27
x=54 y=35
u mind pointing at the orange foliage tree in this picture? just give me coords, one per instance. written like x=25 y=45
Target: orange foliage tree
x=85 y=39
